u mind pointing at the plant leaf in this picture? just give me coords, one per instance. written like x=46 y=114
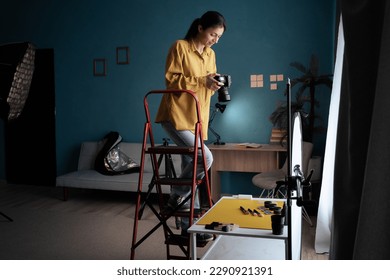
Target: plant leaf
x=299 y=66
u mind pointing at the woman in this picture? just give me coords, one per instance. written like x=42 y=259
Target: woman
x=191 y=65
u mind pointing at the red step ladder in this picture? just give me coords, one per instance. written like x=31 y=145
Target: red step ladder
x=149 y=148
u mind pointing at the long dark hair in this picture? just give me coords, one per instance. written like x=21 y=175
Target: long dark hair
x=209 y=19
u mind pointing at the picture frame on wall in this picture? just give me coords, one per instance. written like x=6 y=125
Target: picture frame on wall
x=122 y=55
x=99 y=67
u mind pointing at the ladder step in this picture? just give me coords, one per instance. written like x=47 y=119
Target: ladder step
x=171 y=257
x=197 y=213
x=177 y=181
x=170 y=150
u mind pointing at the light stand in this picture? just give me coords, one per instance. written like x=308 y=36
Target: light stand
x=17 y=63
x=218 y=108
x=295 y=181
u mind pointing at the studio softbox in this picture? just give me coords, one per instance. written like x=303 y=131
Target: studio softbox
x=16 y=71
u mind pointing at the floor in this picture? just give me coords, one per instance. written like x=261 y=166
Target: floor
x=103 y=202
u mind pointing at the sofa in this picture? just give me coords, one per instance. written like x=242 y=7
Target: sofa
x=86 y=177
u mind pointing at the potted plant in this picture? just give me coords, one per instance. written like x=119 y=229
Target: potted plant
x=309 y=80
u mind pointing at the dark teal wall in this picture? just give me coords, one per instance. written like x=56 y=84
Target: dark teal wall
x=263 y=37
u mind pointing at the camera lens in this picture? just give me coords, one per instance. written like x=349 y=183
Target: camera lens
x=223 y=94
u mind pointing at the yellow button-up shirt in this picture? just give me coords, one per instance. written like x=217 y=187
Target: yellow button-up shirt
x=187 y=69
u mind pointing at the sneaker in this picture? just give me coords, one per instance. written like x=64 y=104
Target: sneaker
x=204 y=237
x=173 y=202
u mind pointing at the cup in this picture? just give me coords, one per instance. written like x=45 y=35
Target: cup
x=277 y=229
x=277 y=222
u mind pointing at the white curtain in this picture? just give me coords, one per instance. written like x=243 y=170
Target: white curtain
x=324 y=216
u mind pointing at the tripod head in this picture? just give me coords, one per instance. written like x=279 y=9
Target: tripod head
x=166 y=142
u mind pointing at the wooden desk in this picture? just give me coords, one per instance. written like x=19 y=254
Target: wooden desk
x=231 y=157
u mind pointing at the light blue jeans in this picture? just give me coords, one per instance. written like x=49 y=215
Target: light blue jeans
x=184 y=138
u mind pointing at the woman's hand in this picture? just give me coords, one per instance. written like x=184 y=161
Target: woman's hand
x=212 y=83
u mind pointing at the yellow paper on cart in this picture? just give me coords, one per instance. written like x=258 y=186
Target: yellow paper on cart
x=228 y=211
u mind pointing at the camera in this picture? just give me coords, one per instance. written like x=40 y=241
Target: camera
x=223 y=94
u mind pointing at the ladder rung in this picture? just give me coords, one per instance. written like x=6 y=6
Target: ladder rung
x=177 y=181
x=171 y=257
x=170 y=150
x=197 y=213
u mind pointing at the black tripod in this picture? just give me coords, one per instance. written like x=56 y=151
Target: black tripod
x=5 y=216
